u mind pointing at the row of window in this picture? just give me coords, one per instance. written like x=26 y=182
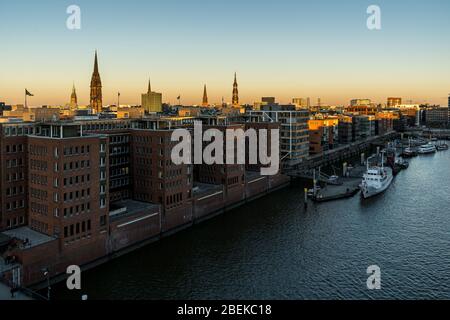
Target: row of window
x=14 y=205
x=147 y=139
x=38 y=179
x=38 y=150
x=117 y=183
x=147 y=150
x=16 y=221
x=38 y=165
x=143 y=161
x=106 y=126
x=14 y=163
x=19 y=131
x=75 y=165
x=78 y=209
x=76 y=229
x=39 y=226
x=174 y=198
x=14 y=148
x=76 y=180
x=38 y=194
x=76 y=195
x=119 y=172
x=15 y=191
x=77 y=150
x=233 y=180
x=39 y=208
x=15 y=176
x=119 y=150
x=119 y=139
x=117 y=161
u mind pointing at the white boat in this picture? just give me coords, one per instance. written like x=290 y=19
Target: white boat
x=376 y=180
x=427 y=149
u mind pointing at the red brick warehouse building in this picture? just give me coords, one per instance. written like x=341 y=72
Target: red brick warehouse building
x=87 y=189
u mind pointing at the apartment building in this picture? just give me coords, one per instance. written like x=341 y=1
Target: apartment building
x=294 y=134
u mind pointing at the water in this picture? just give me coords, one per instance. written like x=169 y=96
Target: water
x=273 y=249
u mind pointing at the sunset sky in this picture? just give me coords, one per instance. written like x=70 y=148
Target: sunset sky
x=284 y=48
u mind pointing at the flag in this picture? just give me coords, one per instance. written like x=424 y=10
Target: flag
x=179 y=97
x=118 y=93
x=28 y=93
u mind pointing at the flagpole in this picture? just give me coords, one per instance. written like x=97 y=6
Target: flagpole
x=118 y=100
x=26 y=98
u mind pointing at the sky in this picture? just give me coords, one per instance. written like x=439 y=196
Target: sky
x=281 y=48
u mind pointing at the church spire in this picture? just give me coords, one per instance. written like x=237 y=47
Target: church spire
x=149 y=86
x=96 y=63
x=96 y=88
x=205 y=98
x=235 y=101
x=73 y=97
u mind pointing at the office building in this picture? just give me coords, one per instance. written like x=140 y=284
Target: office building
x=151 y=101
x=393 y=102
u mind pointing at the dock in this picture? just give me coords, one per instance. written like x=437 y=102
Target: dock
x=349 y=188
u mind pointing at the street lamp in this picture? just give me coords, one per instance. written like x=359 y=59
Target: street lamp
x=47 y=274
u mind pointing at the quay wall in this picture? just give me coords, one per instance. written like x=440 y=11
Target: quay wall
x=134 y=231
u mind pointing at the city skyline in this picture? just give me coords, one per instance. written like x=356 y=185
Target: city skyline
x=287 y=51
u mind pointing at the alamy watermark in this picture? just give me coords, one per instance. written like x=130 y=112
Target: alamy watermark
x=228 y=150
x=374 y=20
x=73 y=22
x=374 y=280
x=74 y=280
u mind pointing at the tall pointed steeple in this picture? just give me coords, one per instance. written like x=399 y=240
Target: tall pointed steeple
x=149 y=86
x=235 y=101
x=205 y=98
x=96 y=63
x=73 y=98
x=96 y=88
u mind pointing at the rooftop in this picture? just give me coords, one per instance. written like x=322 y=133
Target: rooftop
x=34 y=238
x=125 y=208
x=205 y=189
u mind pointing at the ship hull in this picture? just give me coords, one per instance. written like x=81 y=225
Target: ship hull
x=369 y=191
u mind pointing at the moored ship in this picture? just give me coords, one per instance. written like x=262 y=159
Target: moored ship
x=376 y=180
x=427 y=149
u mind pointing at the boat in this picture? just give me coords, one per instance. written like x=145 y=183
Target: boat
x=442 y=147
x=333 y=180
x=376 y=180
x=402 y=163
x=427 y=148
x=409 y=152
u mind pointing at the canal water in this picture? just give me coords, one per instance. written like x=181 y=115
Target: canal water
x=274 y=249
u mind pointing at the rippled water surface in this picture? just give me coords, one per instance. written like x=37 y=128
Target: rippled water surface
x=273 y=249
